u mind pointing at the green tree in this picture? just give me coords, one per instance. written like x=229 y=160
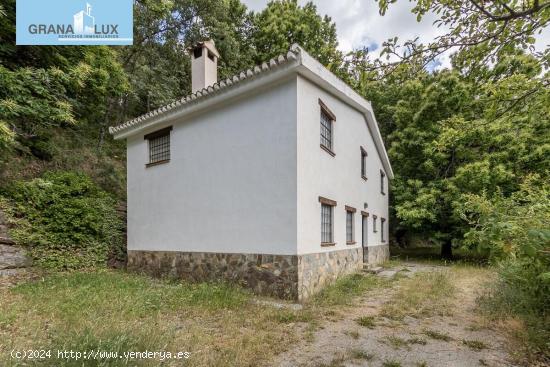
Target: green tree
x=284 y=22
x=479 y=30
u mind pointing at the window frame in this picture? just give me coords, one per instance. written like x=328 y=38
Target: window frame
x=350 y=236
x=331 y=118
x=364 y=156
x=151 y=137
x=382 y=180
x=327 y=204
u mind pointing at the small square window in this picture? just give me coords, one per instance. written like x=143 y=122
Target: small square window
x=159 y=146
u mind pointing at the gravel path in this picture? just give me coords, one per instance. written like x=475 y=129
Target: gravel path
x=343 y=342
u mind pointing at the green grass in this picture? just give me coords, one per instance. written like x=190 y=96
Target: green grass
x=117 y=311
x=437 y=335
x=417 y=340
x=361 y=354
x=367 y=321
x=425 y=294
x=395 y=342
x=475 y=344
x=391 y=363
x=345 y=289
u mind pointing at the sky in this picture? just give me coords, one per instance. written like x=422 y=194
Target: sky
x=359 y=24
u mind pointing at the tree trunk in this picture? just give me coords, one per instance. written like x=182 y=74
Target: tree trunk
x=447 y=250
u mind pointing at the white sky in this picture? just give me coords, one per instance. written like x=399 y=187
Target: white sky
x=359 y=24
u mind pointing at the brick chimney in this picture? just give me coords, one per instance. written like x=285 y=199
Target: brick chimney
x=204 y=65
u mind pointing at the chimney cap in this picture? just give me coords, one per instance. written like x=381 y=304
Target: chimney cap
x=208 y=44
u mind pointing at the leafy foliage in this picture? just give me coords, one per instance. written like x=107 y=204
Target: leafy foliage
x=65 y=219
x=516 y=231
x=283 y=23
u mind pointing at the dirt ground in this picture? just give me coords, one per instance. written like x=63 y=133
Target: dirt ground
x=457 y=339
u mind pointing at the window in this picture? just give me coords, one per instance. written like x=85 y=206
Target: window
x=363 y=163
x=382 y=183
x=350 y=227
x=374 y=223
x=327 y=235
x=382 y=235
x=327 y=118
x=159 y=146
x=197 y=52
x=326 y=224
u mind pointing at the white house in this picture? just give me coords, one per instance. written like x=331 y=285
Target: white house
x=276 y=178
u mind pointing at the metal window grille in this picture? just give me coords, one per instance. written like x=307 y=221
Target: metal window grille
x=326 y=223
x=159 y=148
x=374 y=224
x=382 y=175
x=349 y=226
x=382 y=221
x=326 y=130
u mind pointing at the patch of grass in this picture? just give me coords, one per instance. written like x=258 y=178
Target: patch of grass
x=511 y=310
x=437 y=335
x=118 y=311
x=475 y=344
x=354 y=334
x=421 y=364
x=345 y=289
x=417 y=340
x=367 y=321
x=391 y=363
x=289 y=316
x=423 y=295
x=361 y=354
x=395 y=342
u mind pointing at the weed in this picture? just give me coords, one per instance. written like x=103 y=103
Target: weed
x=437 y=335
x=361 y=354
x=421 y=364
x=346 y=288
x=396 y=342
x=391 y=363
x=354 y=334
x=417 y=340
x=422 y=295
x=366 y=321
x=474 y=344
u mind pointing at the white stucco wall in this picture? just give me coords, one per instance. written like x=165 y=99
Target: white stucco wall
x=230 y=185
x=337 y=178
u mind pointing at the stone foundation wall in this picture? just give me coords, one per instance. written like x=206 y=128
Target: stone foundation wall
x=320 y=269
x=271 y=275
x=294 y=277
x=378 y=254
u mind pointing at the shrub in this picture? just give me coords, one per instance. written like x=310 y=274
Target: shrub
x=66 y=221
x=516 y=232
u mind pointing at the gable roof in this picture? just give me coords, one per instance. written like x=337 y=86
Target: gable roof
x=296 y=60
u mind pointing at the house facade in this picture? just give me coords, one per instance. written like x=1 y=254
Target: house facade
x=276 y=179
